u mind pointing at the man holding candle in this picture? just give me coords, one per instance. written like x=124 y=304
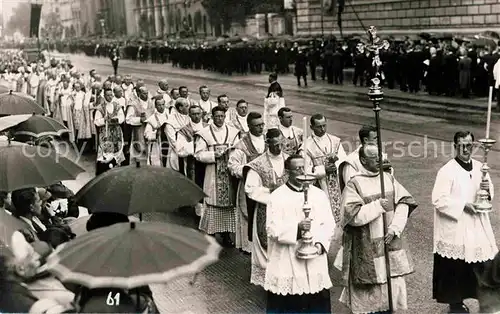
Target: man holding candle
x=324 y=153
x=463 y=237
x=263 y=175
x=297 y=285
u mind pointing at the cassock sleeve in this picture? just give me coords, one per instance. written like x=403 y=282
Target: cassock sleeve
x=348 y=172
x=171 y=136
x=149 y=133
x=354 y=207
x=99 y=119
x=236 y=162
x=278 y=223
x=184 y=148
x=255 y=190
x=341 y=155
x=131 y=119
x=324 y=226
x=399 y=219
x=449 y=205
x=202 y=154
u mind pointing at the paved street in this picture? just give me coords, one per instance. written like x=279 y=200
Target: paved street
x=418 y=147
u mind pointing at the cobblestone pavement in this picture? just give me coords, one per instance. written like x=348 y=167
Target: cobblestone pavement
x=224 y=287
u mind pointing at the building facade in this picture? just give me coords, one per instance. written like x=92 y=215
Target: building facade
x=157 y=18
x=400 y=16
x=63 y=14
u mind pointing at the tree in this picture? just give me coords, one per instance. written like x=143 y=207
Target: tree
x=20 y=20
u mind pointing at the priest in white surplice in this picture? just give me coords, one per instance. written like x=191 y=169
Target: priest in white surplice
x=463 y=238
x=205 y=103
x=326 y=153
x=296 y=285
x=262 y=176
x=293 y=136
x=154 y=126
x=177 y=119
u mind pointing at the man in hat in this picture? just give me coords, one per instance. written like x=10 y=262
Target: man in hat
x=262 y=176
x=212 y=148
x=115 y=57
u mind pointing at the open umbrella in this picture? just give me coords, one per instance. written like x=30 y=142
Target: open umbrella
x=37 y=126
x=131 y=255
x=79 y=225
x=132 y=189
x=8 y=225
x=18 y=103
x=484 y=42
x=8 y=122
x=23 y=166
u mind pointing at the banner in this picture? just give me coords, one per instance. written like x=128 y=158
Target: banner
x=36 y=12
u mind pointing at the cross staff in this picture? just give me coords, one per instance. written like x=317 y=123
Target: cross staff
x=376 y=95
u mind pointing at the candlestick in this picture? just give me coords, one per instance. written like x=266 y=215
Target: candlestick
x=488 y=116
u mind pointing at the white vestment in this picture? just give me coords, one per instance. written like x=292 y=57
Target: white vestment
x=285 y=273
x=457 y=234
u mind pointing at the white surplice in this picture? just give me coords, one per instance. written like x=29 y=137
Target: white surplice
x=457 y=234
x=256 y=191
x=152 y=134
x=285 y=273
x=175 y=122
x=237 y=161
x=185 y=148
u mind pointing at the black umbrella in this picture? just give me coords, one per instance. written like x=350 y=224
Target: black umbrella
x=133 y=189
x=18 y=103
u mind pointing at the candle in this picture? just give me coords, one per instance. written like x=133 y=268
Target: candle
x=304 y=144
x=488 y=117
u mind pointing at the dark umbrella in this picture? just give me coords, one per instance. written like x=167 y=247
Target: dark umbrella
x=38 y=126
x=131 y=255
x=484 y=42
x=133 y=189
x=23 y=166
x=18 y=103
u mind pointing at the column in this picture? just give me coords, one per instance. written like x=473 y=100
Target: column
x=157 y=15
x=164 y=7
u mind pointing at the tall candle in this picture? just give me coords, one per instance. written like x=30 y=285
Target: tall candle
x=488 y=117
x=304 y=144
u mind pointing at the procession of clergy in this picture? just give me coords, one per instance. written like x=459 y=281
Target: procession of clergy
x=247 y=163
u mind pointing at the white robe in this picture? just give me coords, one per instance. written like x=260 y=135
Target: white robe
x=457 y=234
x=175 y=122
x=285 y=273
x=153 y=138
